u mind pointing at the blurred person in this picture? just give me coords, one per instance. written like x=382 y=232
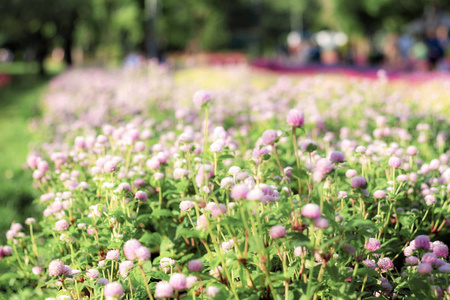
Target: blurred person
x=435 y=49
x=405 y=44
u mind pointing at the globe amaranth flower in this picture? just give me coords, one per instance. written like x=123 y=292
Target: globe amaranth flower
x=239 y=191
x=92 y=273
x=373 y=245
x=211 y=291
x=178 y=281
x=277 y=231
x=130 y=247
x=385 y=263
x=113 y=290
x=61 y=225
x=56 y=268
x=424 y=268
x=395 y=162
x=358 y=182
x=195 y=265
x=311 y=210
x=295 y=118
x=269 y=137
x=125 y=267
x=201 y=97
x=422 y=241
x=337 y=156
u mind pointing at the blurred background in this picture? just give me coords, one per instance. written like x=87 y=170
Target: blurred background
x=396 y=34
x=41 y=38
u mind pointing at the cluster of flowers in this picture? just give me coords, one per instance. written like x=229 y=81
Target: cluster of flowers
x=204 y=199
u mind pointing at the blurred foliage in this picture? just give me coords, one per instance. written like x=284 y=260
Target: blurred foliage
x=19 y=103
x=109 y=29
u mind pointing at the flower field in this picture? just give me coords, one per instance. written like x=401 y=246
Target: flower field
x=152 y=187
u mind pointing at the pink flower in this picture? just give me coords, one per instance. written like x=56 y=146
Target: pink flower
x=358 y=182
x=61 y=225
x=130 y=248
x=373 y=245
x=178 y=281
x=211 y=291
x=295 y=118
x=92 y=273
x=277 y=231
x=125 y=268
x=311 y=210
x=163 y=290
x=142 y=253
x=239 y=191
x=424 y=268
x=269 y=136
x=113 y=255
x=395 y=162
x=337 y=156
x=195 y=265
x=201 y=98
x=422 y=241
x=109 y=166
x=324 y=166
x=56 y=268
x=385 y=263
x=112 y=290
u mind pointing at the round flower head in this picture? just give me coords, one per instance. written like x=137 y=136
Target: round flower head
x=141 y=195
x=178 y=281
x=379 y=194
x=395 y=162
x=295 y=118
x=36 y=270
x=321 y=223
x=102 y=281
x=351 y=173
x=142 y=253
x=113 y=255
x=109 y=167
x=190 y=281
x=56 y=268
x=163 y=290
x=255 y=194
x=440 y=250
x=269 y=136
x=113 y=290
x=324 y=166
x=300 y=251
x=239 y=191
x=130 y=248
x=337 y=156
x=444 y=268
x=408 y=251
x=412 y=150
x=358 y=182
x=186 y=205
x=195 y=265
x=125 y=268
x=373 y=245
x=92 y=273
x=7 y=250
x=430 y=199
x=61 y=225
x=424 y=268
x=311 y=210
x=422 y=241
x=227 y=183
x=370 y=263
x=211 y=291
x=277 y=231
x=411 y=260
x=201 y=97
x=385 y=263
x=429 y=258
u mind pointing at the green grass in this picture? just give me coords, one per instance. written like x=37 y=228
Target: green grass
x=19 y=102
